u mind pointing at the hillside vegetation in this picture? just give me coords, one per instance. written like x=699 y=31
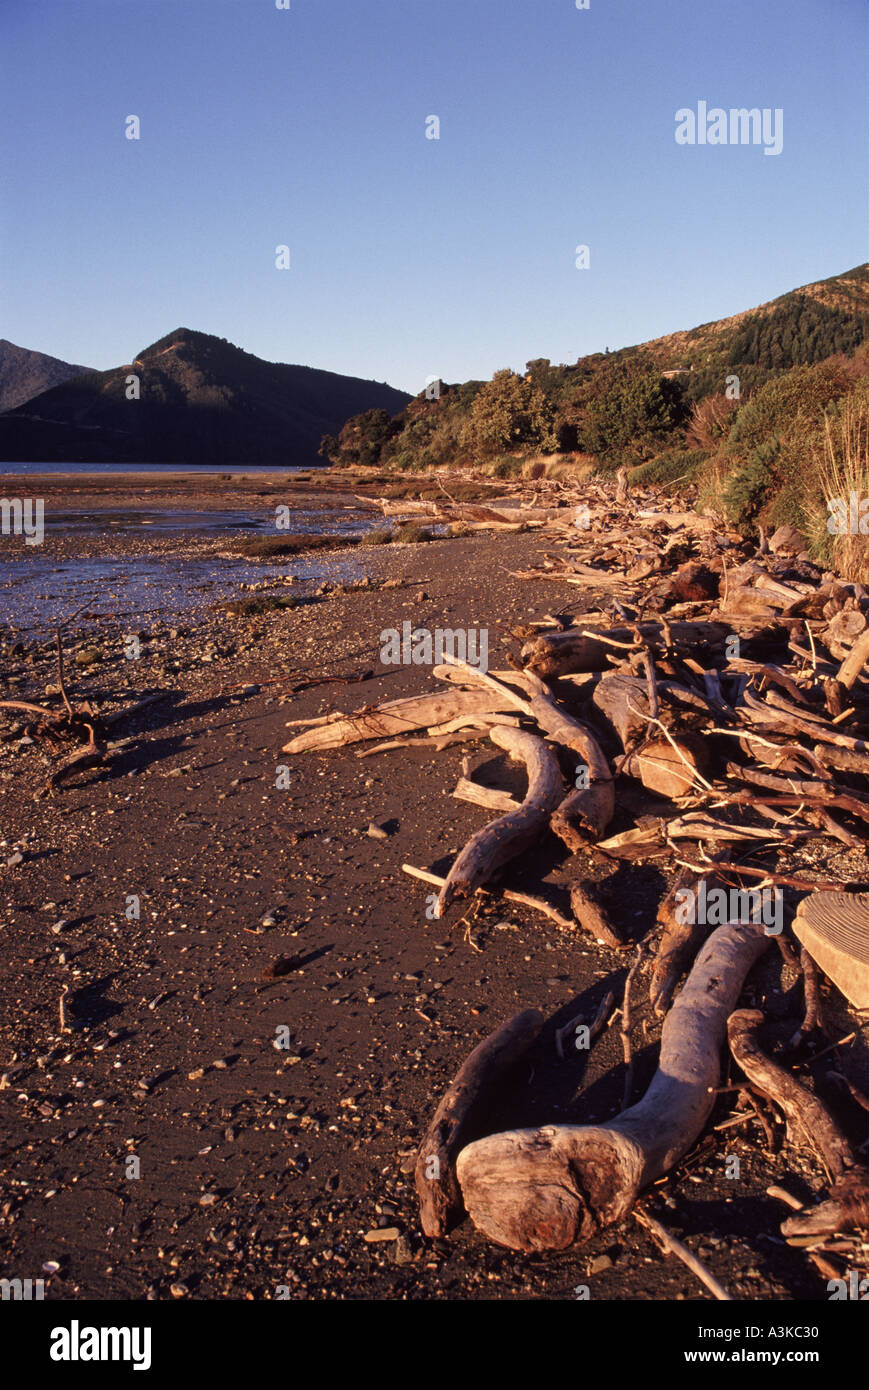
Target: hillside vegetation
x=763 y=416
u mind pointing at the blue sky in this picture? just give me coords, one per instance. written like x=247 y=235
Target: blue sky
x=413 y=257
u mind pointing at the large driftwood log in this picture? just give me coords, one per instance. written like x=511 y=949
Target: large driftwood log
x=548 y=1188
x=559 y=653
x=508 y=836
x=440 y=1201
x=809 y=1123
x=397 y=717
x=667 y=766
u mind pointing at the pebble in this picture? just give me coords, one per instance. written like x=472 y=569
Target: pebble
x=402 y=1251
x=387 y=1233
x=599 y=1264
x=376 y=832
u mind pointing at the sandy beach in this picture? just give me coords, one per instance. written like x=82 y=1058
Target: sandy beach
x=263 y=1168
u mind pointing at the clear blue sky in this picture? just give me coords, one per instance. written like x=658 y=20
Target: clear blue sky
x=413 y=257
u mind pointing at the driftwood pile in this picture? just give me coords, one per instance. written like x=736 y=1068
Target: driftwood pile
x=731 y=682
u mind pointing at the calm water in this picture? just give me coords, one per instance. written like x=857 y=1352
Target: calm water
x=38 y=593
x=101 y=470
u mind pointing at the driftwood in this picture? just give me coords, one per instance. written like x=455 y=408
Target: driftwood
x=521 y=899
x=668 y=765
x=503 y=839
x=834 y=929
x=489 y=797
x=440 y=1200
x=682 y=935
x=587 y=811
x=747 y=702
x=854 y=662
x=394 y=717
x=809 y=1123
x=73 y=724
x=548 y=1188
x=563 y=652
x=591 y=915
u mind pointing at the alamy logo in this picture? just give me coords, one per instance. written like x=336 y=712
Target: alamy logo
x=737 y=126
x=421 y=647
x=715 y=906
x=76 y=1343
x=22 y=1290
x=849 y=518
x=23 y=517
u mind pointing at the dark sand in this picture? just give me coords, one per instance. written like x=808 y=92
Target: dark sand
x=261 y=1169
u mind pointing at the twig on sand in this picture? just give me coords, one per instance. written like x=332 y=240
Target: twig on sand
x=675 y=1247
x=625 y=1029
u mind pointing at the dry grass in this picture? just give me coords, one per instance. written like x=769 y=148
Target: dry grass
x=571 y=468
x=843 y=472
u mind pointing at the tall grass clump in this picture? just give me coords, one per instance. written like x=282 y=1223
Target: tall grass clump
x=838 y=522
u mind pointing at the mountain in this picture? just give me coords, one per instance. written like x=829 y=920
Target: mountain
x=24 y=374
x=200 y=400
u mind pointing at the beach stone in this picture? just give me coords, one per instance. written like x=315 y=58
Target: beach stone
x=88 y=656
x=787 y=540
x=402 y=1251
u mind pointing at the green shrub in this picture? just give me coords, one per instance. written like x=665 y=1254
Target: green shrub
x=748 y=485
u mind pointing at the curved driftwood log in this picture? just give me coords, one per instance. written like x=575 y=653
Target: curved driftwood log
x=508 y=836
x=587 y=811
x=809 y=1123
x=440 y=1201
x=548 y=1188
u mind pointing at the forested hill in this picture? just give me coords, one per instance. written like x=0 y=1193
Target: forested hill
x=616 y=407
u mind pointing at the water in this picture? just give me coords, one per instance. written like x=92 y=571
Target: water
x=103 y=470
x=43 y=594
x=38 y=593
